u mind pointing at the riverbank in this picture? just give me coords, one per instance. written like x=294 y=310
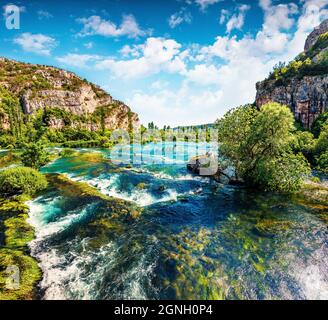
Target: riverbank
x=19 y=272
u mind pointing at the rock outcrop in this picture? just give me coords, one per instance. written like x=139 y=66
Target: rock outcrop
x=44 y=87
x=307 y=98
x=315 y=34
x=305 y=90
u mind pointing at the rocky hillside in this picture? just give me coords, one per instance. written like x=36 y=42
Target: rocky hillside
x=303 y=83
x=68 y=99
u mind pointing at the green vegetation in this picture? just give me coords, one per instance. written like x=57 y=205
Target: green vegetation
x=34 y=155
x=319 y=124
x=9 y=158
x=258 y=145
x=313 y=62
x=14 y=251
x=21 y=180
x=52 y=125
x=321 y=149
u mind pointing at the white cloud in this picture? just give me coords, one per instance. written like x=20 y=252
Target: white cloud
x=95 y=25
x=205 y=3
x=277 y=17
x=36 y=43
x=43 y=14
x=210 y=89
x=179 y=17
x=89 y=45
x=224 y=15
x=131 y=51
x=184 y=106
x=204 y=75
x=216 y=77
x=158 y=54
x=159 y=84
x=238 y=19
x=77 y=60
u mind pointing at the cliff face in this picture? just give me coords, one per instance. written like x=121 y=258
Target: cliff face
x=42 y=87
x=303 y=83
x=307 y=97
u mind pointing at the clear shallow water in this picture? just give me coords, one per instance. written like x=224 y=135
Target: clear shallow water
x=194 y=239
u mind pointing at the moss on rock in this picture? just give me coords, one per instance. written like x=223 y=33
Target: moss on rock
x=14 y=253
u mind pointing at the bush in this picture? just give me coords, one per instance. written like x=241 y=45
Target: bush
x=322 y=142
x=34 y=155
x=304 y=142
x=323 y=162
x=7 y=141
x=319 y=123
x=21 y=180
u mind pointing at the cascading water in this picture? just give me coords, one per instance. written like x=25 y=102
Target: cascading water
x=194 y=238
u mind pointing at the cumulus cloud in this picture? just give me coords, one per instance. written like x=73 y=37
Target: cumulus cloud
x=183 y=106
x=131 y=51
x=205 y=3
x=157 y=54
x=36 y=43
x=208 y=80
x=237 y=20
x=204 y=75
x=77 y=60
x=278 y=17
x=95 y=25
x=210 y=88
x=179 y=17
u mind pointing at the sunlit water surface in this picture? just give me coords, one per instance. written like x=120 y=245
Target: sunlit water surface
x=195 y=238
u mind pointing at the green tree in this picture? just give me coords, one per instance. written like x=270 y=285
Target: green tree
x=321 y=149
x=319 y=124
x=21 y=180
x=233 y=131
x=322 y=143
x=304 y=142
x=34 y=155
x=258 y=145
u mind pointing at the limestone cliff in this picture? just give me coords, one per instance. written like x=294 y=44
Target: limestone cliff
x=44 y=87
x=303 y=83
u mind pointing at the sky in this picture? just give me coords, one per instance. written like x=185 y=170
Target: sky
x=174 y=62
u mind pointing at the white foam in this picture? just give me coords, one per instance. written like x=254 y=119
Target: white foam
x=140 y=197
x=43 y=229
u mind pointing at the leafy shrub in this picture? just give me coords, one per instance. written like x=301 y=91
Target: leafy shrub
x=319 y=124
x=34 y=155
x=323 y=162
x=21 y=180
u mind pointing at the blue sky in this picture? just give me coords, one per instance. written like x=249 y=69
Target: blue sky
x=175 y=62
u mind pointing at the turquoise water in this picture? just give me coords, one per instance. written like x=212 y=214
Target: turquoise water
x=193 y=238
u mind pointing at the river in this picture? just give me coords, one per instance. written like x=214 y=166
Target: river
x=194 y=238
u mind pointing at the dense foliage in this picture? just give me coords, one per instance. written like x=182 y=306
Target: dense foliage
x=34 y=155
x=319 y=124
x=313 y=62
x=258 y=145
x=21 y=180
